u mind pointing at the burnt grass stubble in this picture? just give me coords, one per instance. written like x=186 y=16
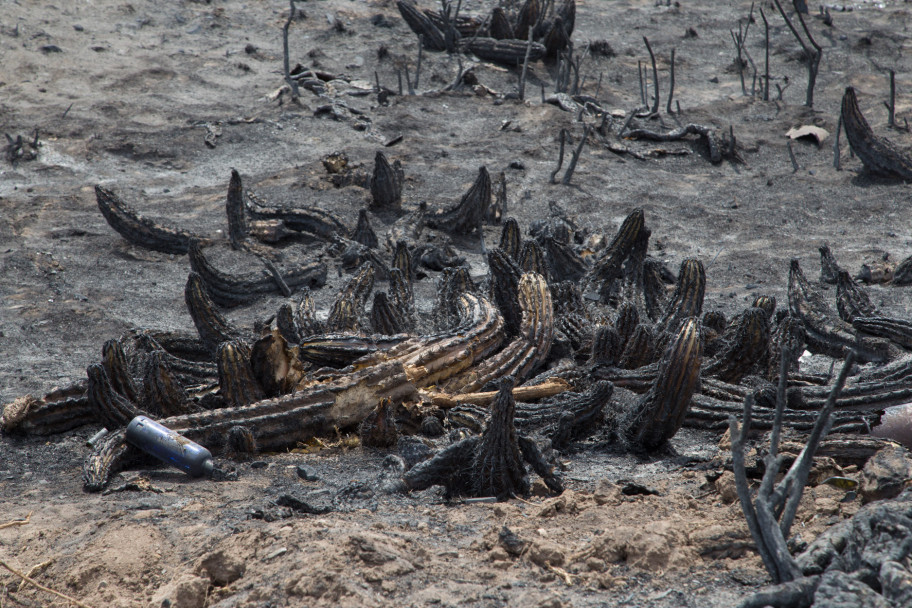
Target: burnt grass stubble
x=158 y=81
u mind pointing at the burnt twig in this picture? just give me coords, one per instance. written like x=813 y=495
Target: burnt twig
x=715 y=153
x=766 y=46
x=671 y=85
x=525 y=68
x=574 y=158
x=560 y=157
x=779 y=503
x=836 y=164
x=794 y=160
x=813 y=53
x=891 y=107
x=292 y=84
x=655 y=77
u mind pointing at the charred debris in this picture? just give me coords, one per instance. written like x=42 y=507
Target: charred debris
x=572 y=338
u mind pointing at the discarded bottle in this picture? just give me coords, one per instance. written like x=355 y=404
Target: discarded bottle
x=170 y=447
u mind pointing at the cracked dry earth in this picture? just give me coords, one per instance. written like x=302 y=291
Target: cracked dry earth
x=127 y=94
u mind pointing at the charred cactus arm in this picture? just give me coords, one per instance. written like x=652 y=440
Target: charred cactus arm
x=745 y=349
x=379 y=428
x=497 y=467
x=115 y=364
x=429 y=361
x=385 y=187
x=228 y=290
x=237 y=384
x=450 y=467
x=851 y=300
x=109 y=457
x=609 y=265
x=878 y=154
x=528 y=351
x=467 y=216
x=58 y=411
x=421 y=24
x=660 y=412
x=163 y=395
x=533 y=456
x=140 y=230
x=385 y=318
x=301 y=219
x=687 y=300
x=504 y=52
x=212 y=326
x=825 y=332
x=111 y=409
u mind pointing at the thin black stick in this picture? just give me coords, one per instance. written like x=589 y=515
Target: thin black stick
x=836 y=164
x=766 y=74
x=408 y=80
x=892 y=107
x=671 y=85
x=295 y=92
x=399 y=78
x=67 y=111
x=627 y=122
x=739 y=44
x=560 y=157
x=525 y=68
x=655 y=76
x=573 y=159
x=813 y=56
x=784 y=363
x=795 y=166
x=642 y=86
x=418 y=68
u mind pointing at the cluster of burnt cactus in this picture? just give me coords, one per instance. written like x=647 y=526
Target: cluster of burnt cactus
x=536 y=31
x=575 y=320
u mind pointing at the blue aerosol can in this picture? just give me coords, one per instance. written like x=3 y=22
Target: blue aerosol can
x=170 y=447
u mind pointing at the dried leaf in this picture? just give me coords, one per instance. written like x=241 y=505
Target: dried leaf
x=808 y=131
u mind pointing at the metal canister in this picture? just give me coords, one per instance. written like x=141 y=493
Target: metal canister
x=170 y=447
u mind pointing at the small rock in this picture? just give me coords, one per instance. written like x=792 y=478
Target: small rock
x=607 y=493
x=510 y=542
x=544 y=554
x=222 y=567
x=497 y=554
x=726 y=488
x=306 y=473
x=186 y=591
x=885 y=473
x=826 y=505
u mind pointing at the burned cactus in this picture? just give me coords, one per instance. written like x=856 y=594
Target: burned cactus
x=379 y=429
x=386 y=184
x=468 y=216
x=660 y=412
x=492 y=464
